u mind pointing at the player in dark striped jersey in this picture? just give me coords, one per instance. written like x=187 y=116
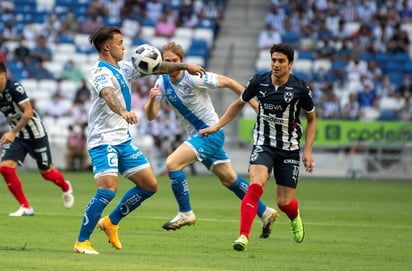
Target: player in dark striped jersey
x=26 y=136
x=277 y=133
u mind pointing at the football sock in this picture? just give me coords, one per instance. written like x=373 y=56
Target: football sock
x=93 y=212
x=248 y=208
x=130 y=201
x=290 y=209
x=14 y=185
x=180 y=189
x=239 y=187
x=56 y=177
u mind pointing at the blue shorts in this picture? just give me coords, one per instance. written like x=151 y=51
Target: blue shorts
x=125 y=158
x=209 y=150
x=285 y=164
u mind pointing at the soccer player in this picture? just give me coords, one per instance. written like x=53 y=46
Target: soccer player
x=187 y=94
x=111 y=148
x=27 y=135
x=277 y=133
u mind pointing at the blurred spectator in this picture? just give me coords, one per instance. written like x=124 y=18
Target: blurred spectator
x=373 y=72
x=134 y=10
x=211 y=14
x=52 y=28
x=351 y=108
x=7 y=6
x=275 y=17
x=113 y=8
x=4 y=50
x=83 y=92
x=70 y=24
x=385 y=87
x=390 y=106
x=76 y=151
x=41 y=52
x=399 y=42
x=92 y=22
x=406 y=111
x=406 y=86
x=11 y=31
x=267 y=37
x=164 y=28
x=30 y=32
x=325 y=49
x=130 y=27
x=58 y=106
x=22 y=53
x=154 y=8
x=37 y=70
x=187 y=16
x=71 y=72
x=79 y=111
x=97 y=8
x=368 y=101
x=329 y=104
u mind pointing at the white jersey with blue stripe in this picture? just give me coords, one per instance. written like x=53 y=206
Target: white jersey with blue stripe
x=190 y=99
x=105 y=126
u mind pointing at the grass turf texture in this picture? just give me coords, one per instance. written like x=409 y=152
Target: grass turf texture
x=350 y=225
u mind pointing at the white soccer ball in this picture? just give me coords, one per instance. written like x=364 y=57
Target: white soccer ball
x=146 y=58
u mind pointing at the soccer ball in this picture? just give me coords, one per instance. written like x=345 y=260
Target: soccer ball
x=146 y=58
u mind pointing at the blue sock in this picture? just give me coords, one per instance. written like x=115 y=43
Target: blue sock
x=130 y=201
x=239 y=187
x=180 y=189
x=93 y=212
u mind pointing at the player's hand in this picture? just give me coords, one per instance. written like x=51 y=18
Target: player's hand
x=130 y=117
x=206 y=131
x=196 y=70
x=8 y=137
x=154 y=92
x=308 y=162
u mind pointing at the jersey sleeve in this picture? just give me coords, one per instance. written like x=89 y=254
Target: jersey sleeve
x=207 y=81
x=249 y=92
x=101 y=78
x=19 y=93
x=307 y=101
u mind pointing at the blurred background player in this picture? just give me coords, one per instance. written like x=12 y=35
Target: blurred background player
x=187 y=94
x=26 y=136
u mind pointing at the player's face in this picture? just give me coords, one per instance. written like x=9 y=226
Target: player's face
x=3 y=79
x=169 y=56
x=280 y=65
x=116 y=47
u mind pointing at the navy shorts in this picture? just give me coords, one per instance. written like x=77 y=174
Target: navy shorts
x=285 y=164
x=38 y=149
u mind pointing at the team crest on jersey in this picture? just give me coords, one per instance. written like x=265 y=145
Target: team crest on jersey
x=8 y=97
x=288 y=96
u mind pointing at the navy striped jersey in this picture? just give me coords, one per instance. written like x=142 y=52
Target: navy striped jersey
x=278 y=124
x=13 y=95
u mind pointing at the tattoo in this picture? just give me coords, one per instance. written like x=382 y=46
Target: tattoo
x=167 y=67
x=108 y=95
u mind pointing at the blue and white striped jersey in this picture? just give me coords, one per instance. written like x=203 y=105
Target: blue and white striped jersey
x=190 y=99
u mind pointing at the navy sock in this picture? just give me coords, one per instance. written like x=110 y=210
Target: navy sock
x=93 y=212
x=180 y=189
x=240 y=187
x=130 y=201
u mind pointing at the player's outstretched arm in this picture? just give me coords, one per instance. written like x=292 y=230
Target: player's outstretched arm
x=232 y=111
x=236 y=87
x=168 y=67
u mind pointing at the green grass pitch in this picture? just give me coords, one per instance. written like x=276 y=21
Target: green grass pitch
x=350 y=225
